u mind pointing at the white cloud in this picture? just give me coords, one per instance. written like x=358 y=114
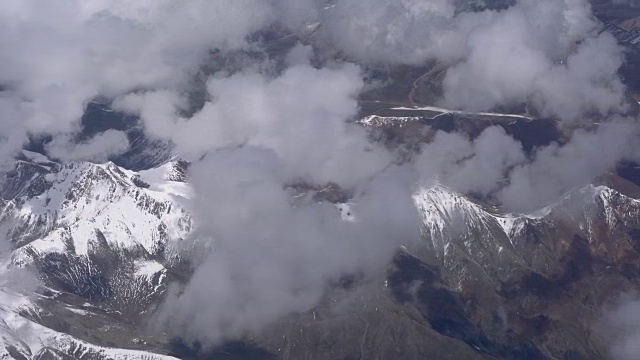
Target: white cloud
x=620 y=327
x=99 y=148
x=556 y=169
x=57 y=57
x=466 y=166
x=260 y=132
x=272 y=257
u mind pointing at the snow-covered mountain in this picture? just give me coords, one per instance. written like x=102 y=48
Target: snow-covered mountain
x=119 y=207
x=100 y=240
x=457 y=228
x=22 y=337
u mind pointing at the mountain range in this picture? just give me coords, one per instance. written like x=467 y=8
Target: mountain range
x=104 y=243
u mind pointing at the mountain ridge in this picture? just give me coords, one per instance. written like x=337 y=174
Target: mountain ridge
x=476 y=250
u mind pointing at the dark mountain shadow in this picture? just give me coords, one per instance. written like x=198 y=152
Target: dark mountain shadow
x=232 y=350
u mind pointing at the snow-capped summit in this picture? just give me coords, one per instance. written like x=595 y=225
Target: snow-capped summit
x=95 y=232
x=76 y=206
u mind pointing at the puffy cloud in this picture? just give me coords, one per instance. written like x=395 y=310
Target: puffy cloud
x=300 y=114
x=274 y=257
x=158 y=110
x=57 y=57
x=386 y=31
x=620 y=327
x=466 y=166
x=588 y=82
x=494 y=163
x=542 y=52
x=61 y=56
x=99 y=148
x=258 y=133
x=556 y=169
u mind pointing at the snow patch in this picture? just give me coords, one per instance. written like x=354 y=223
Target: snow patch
x=346 y=212
x=148 y=269
x=158 y=179
x=36 y=157
x=448 y=111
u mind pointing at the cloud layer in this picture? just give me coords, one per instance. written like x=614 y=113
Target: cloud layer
x=272 y=257
x=259 y=133
x=59 y=57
